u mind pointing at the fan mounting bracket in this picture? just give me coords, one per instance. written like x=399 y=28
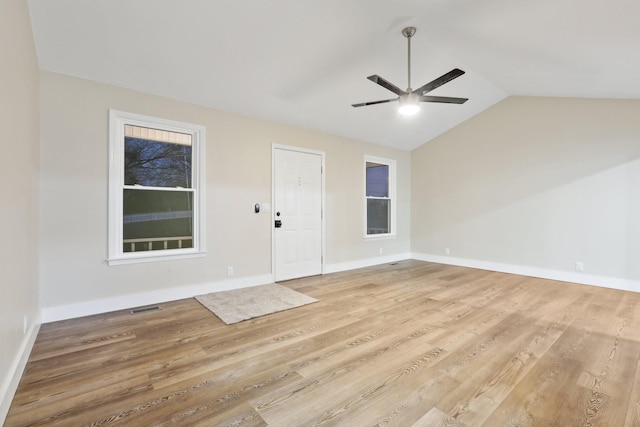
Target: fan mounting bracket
x=408 y=32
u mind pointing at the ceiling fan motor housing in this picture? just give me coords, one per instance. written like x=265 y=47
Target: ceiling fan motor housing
x=408 y=99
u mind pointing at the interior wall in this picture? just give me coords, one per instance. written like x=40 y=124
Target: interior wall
x=540 y=183
x=74 y=170
x=19 y=119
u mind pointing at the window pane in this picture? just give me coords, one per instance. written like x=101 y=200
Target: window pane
x=378 y=216
x=156 y=164
x=157 y=220
x=377 y=180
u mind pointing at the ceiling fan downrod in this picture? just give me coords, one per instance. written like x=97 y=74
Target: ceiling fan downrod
x=408 y=33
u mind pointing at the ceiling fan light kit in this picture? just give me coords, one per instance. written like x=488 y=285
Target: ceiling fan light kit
x=409 y=104
x=410 y=99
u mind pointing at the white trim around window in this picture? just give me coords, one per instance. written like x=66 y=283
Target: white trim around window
x=161 y=132
x=386 y=229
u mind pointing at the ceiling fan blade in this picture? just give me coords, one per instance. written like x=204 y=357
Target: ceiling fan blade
x=443 y=99
x=362 y=104
x=385 y=84
x=456 y=72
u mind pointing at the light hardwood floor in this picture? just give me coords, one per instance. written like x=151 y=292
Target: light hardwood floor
x=411 y=344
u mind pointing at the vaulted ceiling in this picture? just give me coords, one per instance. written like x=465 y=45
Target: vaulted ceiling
x=304 y=62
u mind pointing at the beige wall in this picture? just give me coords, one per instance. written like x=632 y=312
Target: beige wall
x=18 y=193
x=535 y=182
x=238 y=167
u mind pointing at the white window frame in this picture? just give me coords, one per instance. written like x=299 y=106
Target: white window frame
x=117 y=120
x=392 y=197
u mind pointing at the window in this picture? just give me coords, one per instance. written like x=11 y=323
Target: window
x=155 y=188
x=379 y=197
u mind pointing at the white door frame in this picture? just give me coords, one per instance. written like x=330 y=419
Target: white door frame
x=275 y=147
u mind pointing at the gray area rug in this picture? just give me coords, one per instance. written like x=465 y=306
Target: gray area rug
x=246 y=303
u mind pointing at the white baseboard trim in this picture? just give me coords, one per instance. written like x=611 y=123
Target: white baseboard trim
x=104 y=305
x=87 y=308
x=352 y=265
x=564 y=276
x=10 y=383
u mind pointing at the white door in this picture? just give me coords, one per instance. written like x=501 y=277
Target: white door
x=297 y=214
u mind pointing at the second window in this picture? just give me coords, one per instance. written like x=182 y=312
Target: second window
x=379 y=197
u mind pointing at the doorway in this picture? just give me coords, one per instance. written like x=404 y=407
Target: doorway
x=297 y=212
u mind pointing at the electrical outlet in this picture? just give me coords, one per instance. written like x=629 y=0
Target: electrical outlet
x=230 y=271
x=25 y=323
x=579 y=266
x=380 y=251
x=446 y=251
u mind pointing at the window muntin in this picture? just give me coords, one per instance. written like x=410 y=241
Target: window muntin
x=380 y=203
x=155 y=188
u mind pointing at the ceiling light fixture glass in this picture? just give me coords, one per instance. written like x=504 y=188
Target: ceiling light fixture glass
x=409 y=104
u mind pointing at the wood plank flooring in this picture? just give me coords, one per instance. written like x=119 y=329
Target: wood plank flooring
x=407 y=344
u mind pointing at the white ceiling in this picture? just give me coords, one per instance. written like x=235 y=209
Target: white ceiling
x=304 y=62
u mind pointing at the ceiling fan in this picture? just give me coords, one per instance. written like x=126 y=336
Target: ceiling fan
x=409 y=99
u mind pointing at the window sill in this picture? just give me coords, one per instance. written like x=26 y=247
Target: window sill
x=153 y=257
x=380 y=236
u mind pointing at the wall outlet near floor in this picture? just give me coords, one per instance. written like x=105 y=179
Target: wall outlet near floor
x=446 y=251
x=230 y=271
x=579 y=266
x=25 y=323
x=380 y=251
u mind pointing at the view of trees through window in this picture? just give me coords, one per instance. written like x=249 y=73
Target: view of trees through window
x=158 y=196
x=156 y=164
